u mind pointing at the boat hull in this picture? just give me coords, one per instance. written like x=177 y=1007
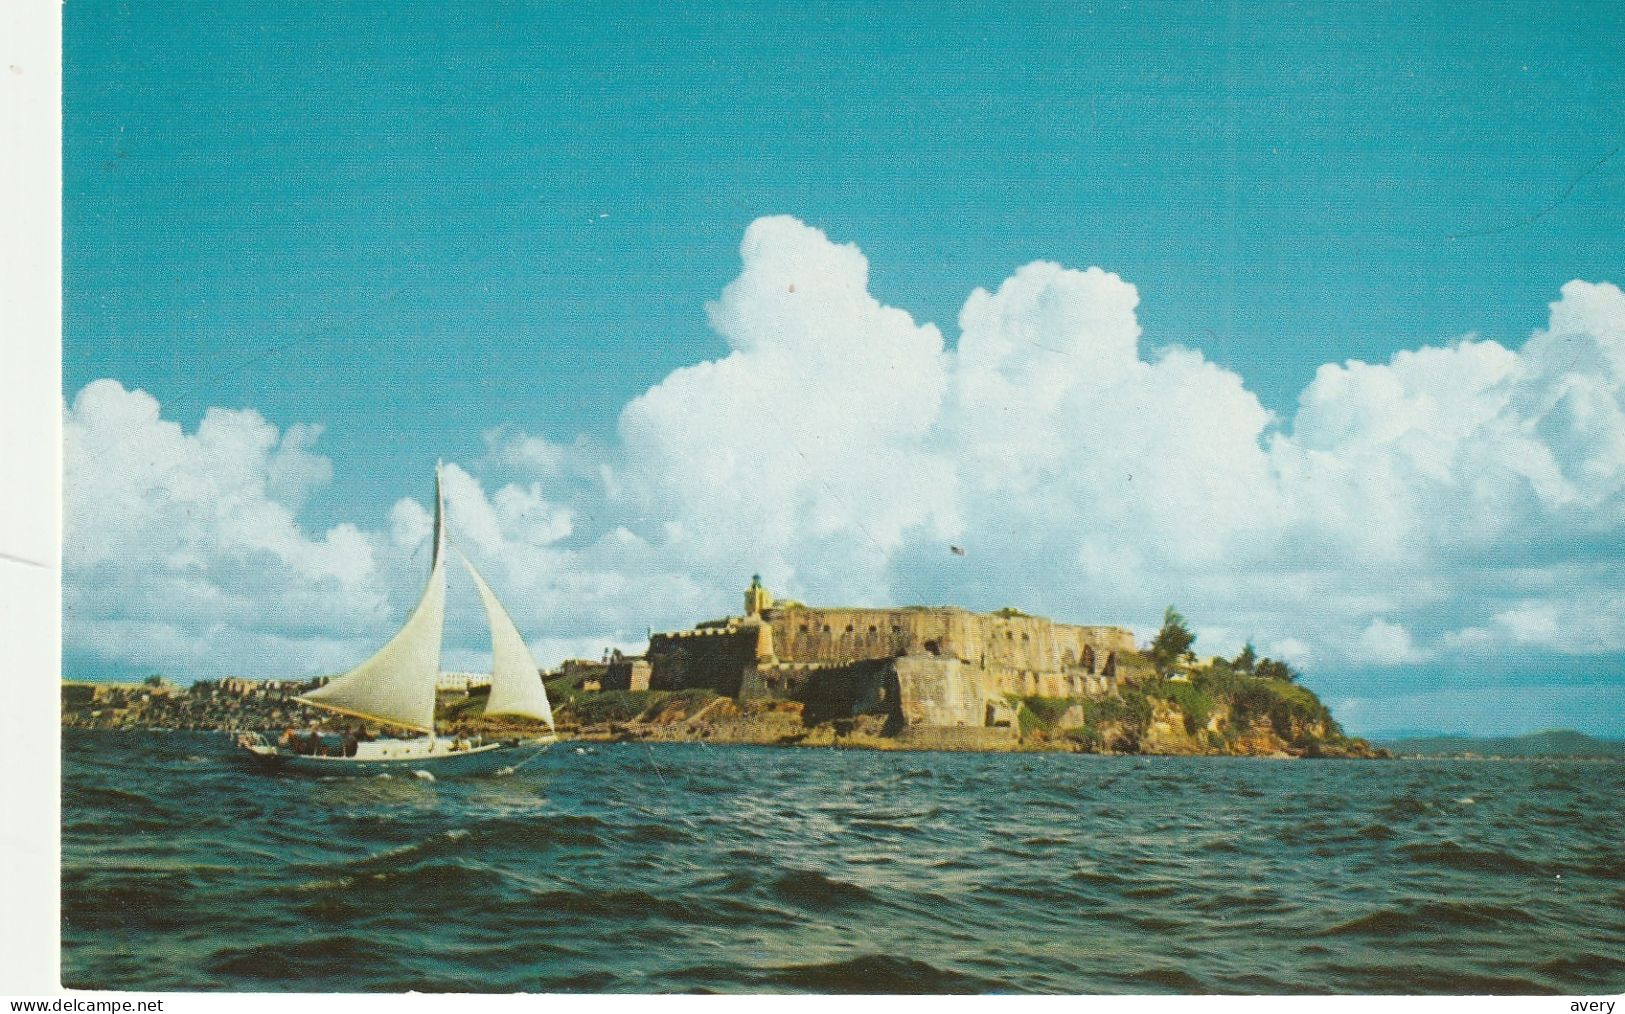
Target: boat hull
x=479 y=760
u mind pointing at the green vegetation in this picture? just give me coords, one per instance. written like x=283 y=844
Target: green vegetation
x=1011 y=612
x=1041 y=717
x=1132 y=705
x=592 y=707
x=1135 y=667
x=559 y=690
x=607 y=706
x=1244 y=692
x=1039 y=714
x=1288 y=707
x=601 y=706
x=1047 y=710
x=1114 y=723
x=1087 y=737
x=1270 y=669
x=1029 y=723
x=1173 y=642
x=452 y=708
x=1195 y=703
x=1120 y=723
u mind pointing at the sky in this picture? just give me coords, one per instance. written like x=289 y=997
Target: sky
x=1303 y=320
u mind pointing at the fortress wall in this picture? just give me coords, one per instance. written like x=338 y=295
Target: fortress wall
x=710 y=658
x=837 y=636
x=862 y=688
x=626 y=674
x=1071 y=682
x=941 y=667
x=803 y=634
x=940 y=691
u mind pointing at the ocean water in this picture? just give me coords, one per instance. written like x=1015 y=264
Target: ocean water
x=654 y=868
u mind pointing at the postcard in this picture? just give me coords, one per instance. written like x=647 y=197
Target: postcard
x=759 y=498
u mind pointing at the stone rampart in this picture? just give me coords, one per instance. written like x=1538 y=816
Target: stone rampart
x=941 y=691
x=626 y=674
x=940 y=667
x=713 y=658
x=838 y=635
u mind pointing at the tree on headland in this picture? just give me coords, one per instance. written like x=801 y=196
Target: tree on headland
x=153 y=681
x=1246 y=661
x=1173 y=642
x=1270 y=669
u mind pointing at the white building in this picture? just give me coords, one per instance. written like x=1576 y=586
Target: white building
x=462 y=681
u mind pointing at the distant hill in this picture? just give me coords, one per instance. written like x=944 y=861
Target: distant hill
x=1552 y=743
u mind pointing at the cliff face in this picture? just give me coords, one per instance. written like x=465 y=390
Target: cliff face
x=1244 y=716
x=1216 y=713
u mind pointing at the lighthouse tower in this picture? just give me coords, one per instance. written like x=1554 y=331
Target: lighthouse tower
x=758 y=600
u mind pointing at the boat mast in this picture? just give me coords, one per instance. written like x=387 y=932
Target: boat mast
x=396 y=686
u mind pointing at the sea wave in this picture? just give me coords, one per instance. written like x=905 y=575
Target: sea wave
x=1454 y=856
x=813 y=889
x=877 y=973
x=755 y=870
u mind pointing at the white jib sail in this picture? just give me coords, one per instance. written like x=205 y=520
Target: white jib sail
x=516 y=683
x=397 y=685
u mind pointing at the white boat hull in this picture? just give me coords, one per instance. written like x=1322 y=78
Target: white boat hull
x=440 y=759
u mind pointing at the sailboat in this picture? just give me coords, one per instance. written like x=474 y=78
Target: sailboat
x=396 y=687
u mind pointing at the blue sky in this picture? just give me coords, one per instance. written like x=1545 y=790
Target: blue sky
x=412 y=227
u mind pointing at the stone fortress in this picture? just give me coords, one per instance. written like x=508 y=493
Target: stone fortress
x=920 y=666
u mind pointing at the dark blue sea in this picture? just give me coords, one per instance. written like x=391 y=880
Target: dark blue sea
x=656 y=868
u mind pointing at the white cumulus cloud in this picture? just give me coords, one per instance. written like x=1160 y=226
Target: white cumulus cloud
x=182 y=549
x=1464 y=497
x=1385 y=643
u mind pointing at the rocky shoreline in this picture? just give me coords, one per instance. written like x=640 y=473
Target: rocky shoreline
x=779 y=723
x=1137 y=723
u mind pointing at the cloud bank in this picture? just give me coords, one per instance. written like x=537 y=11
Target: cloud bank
x=1465 y=500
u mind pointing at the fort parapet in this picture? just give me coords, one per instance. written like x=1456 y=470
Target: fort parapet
x=921 y=665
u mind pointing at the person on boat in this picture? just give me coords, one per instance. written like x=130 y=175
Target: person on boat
x=287 y=738
x=312 y=744
x=351 y=742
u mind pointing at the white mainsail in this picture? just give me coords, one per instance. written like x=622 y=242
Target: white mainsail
x=397 y=685
x=516 y=683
